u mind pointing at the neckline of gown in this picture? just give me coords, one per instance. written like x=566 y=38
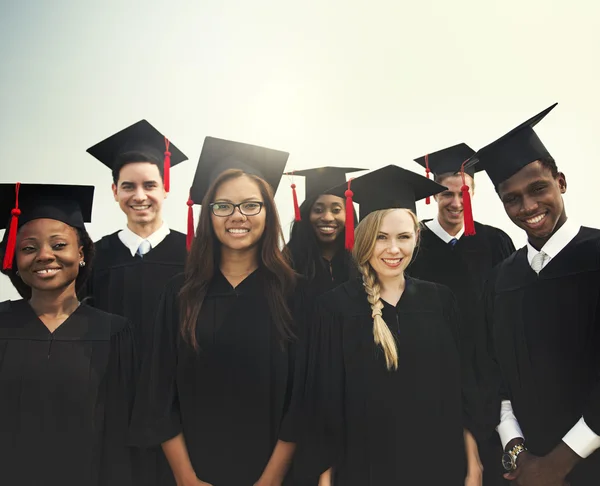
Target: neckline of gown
x=407 y=287
x=35 y=318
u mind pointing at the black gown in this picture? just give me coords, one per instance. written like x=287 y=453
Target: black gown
x=65 y=398
x=463 y=268
x=380 y=427
x=131 y=286
x=542 y=347
x=231 y=397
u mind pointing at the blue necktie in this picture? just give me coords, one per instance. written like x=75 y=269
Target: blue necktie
x=453 y=242
x=144 y=248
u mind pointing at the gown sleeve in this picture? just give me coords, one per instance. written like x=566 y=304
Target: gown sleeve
x=469 y=391
x=505 y=247
x=489 y=377
x=156 y=416
x=301 y=312
x=116 y=463
x=320 y=444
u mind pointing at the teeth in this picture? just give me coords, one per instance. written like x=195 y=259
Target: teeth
x=537 y=219
x=238 y=231
x=141 y=208
x=391 y=261
x=327 y=229
x=47 y=271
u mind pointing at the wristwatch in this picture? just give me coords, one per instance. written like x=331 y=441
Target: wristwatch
x=509 y=458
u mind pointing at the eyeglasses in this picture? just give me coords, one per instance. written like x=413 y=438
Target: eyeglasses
x=248 y=208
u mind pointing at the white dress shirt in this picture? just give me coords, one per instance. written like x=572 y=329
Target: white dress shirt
x=581 y=439
x=435 y=226
x=133 y=241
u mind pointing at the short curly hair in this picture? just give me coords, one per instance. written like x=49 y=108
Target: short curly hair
x=83 y=239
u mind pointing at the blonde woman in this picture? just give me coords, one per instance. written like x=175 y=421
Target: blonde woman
x=384 y=383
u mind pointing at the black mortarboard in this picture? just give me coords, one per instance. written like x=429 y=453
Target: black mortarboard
x=449 y=160
x=21 y=203
x=142 y=138
x=219 y=155
x=318 y=180
x=322 y=178
x=389 y=187
x=385 y=188
x=506 y=156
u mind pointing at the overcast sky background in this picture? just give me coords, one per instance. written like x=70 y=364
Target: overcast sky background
x=355 y=82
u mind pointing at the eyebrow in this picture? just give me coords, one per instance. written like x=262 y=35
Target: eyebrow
x=149 y=181
x=248 y=199
x=320 y=204
x=403 y=233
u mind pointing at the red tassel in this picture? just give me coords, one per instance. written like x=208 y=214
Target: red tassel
x=296 y=207
x=190 y=224
x=427 y=171
x=349 y=218
x=467 y=207
x=167 y=166
x=11 y=242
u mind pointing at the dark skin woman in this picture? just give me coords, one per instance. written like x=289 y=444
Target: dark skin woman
x=66 y=369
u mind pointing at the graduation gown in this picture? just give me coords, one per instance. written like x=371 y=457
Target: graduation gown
x=542 y=346
x=464 y=268
x=380 y=427
x=131 y=286
x=230 y=397
x=65 y=398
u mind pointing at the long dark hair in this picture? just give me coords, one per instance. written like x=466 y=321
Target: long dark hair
x=204 y=258
x=83 y=239
x=303 y=246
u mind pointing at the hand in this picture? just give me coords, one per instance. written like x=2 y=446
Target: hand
x=264 y=481
x=192 y=481
x=326 y=478
x=474 y=477
x=536 y=471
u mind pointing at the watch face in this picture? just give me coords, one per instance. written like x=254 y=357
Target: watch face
x=507 y=462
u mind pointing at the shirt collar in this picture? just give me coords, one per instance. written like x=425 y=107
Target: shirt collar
x=435 y=226
x=557 y=241
x=132 y=240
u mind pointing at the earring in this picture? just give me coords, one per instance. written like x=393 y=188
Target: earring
x=82 y=264
x=17 y=273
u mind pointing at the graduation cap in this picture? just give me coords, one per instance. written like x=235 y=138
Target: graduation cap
x=454 y=160
x=21 y=203
x=318 y=181
x=448 y=160
x=385 y=188
x=506 y=156
x=142 y=138
x=219 y=155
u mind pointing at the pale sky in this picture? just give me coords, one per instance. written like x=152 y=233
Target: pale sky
x=357 y=83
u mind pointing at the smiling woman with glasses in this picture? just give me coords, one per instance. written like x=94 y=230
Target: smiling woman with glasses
x=216 y=387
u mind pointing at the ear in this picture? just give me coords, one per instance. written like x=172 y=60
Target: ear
x=114 y=190
x=562 y=182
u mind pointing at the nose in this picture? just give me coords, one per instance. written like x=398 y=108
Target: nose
x=140 y=194
x=394 y=247
x=237 y=215
x=327 y=217
x=45 y=253
x=530 y=205
x=456 y=201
